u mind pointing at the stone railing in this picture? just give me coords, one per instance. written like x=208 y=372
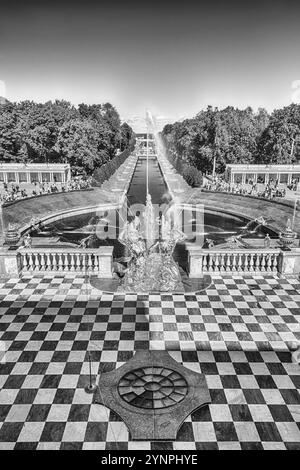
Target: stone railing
x=216 y=260
x=66 y=260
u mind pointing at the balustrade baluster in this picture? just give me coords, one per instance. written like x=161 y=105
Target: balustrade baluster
x=25 y=261
x=210 y=263
x=80 y=261
x=72 y=262
x=204 y=262
x=75 y=261
x=31 y=262
x=52 y=261
x=251 y=261
x=59 y=264
x=239 y=267
x=42 y=262
x=96 y=263
x=274 y=262
x=67 y=262
x=234 y=262
x=227 y=266
x=80 y=265
x=256 y=262
x=55 y=266
x=78 y=258
x=47 y=267
x=89 y=262
x=222 y=262
x=263 y=262
x=268 y=265
x=247 y=262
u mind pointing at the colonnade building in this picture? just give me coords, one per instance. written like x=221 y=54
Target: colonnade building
x=243 y=173
x=35 y=172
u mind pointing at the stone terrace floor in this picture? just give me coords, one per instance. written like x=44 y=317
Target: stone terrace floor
x=237 y=332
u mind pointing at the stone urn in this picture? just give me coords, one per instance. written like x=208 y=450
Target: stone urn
x=12 y=235
x=287 y=238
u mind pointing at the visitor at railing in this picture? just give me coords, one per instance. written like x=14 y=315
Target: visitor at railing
x=15 y=192
x=268 y=191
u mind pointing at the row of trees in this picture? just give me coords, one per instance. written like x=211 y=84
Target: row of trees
x=86 y=137
x=232 y=135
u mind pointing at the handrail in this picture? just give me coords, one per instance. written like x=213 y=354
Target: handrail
x=53 y=249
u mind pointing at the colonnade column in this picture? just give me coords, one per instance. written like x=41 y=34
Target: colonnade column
x=267 y=178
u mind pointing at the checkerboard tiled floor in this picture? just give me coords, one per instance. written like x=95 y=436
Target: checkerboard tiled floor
x=238 y=333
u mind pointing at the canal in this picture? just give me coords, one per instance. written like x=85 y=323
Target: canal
x=138 y=186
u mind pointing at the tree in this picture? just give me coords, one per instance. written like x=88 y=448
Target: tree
x=11 y=148
x=127 y=136
x=216 y=137
x=278 y=143
x=77 y=143
x=43 y=132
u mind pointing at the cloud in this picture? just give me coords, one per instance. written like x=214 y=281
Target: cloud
x=296 y=93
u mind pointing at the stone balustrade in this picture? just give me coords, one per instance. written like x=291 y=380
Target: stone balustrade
x=216 y=260
x=99 y=261
x=66 y=260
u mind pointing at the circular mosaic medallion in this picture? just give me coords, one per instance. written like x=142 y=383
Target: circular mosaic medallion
x=153 y=387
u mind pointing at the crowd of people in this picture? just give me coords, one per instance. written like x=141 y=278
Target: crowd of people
x=269 y=191
x=13 y=192
x=293 y=185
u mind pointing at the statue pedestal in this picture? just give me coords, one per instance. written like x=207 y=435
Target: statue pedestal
x=8 y=263
x=195 y=257
x=290 y=262
x=105 y=257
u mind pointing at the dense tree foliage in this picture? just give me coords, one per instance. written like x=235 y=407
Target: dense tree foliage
x=86 y=137
x=232 y=135
x=280 y=140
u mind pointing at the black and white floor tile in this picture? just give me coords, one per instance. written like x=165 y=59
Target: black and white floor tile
x=238 y=333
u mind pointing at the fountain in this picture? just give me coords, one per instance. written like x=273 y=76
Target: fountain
x=151 y=266
x=150 y=242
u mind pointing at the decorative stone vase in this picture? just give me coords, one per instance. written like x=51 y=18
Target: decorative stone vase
x=287 y=237
x=12 y=235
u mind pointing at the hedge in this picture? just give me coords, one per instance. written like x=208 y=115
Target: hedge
x=190 y=173
x=104 y=172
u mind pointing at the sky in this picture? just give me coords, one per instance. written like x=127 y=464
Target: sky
x=174 y=58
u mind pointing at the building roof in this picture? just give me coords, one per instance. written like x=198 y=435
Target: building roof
x=34 y=166
x=264 y=168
